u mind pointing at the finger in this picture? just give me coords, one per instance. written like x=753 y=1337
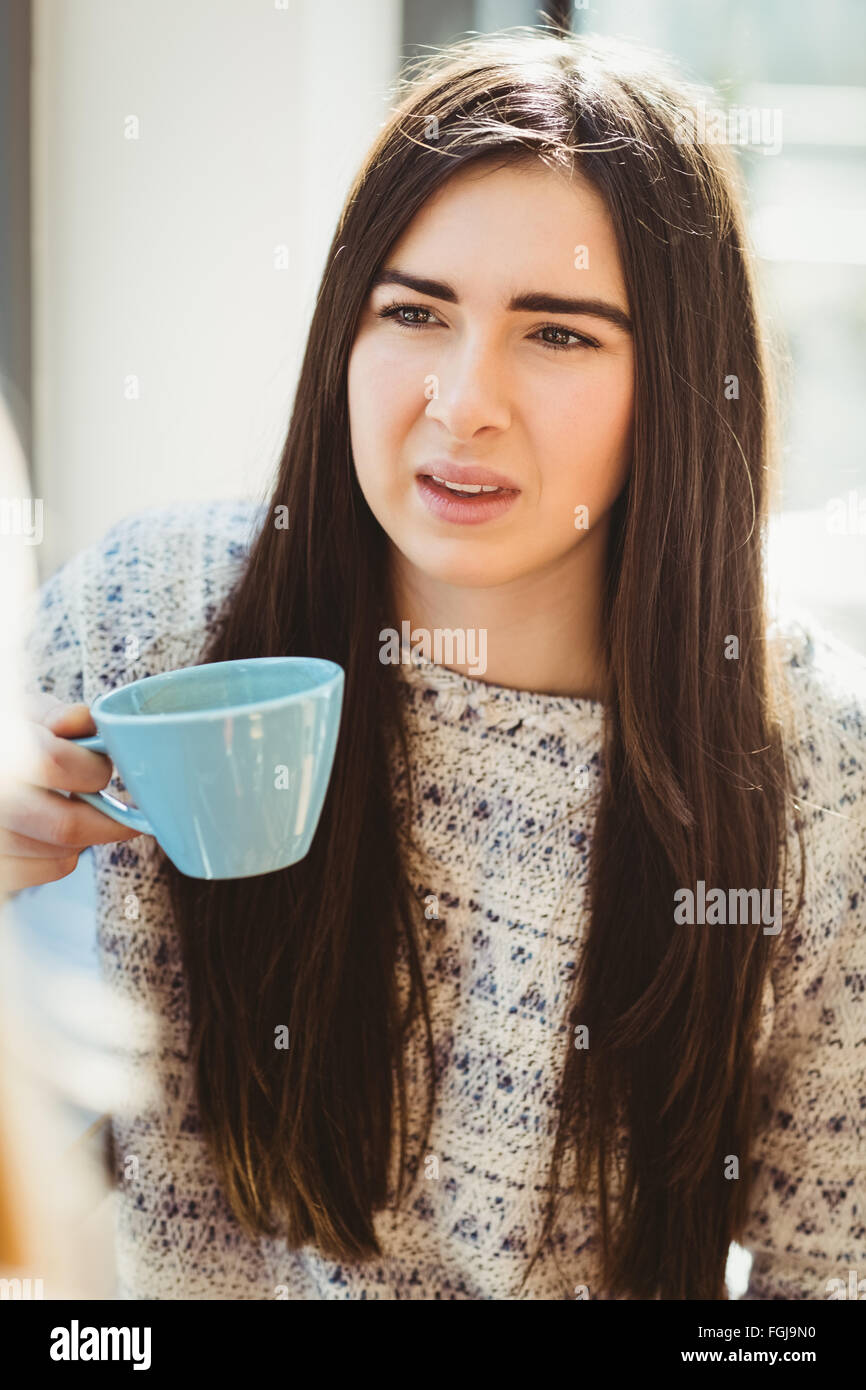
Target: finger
x=68 y=721
x=73 y=718
x=64 y=766
x=59 y=820
x=16 y=874
x=39 y=704
x=25 y=846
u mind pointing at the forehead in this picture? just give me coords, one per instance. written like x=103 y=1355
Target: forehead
x=520 y=223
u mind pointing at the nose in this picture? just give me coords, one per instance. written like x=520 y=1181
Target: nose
x=470 y=392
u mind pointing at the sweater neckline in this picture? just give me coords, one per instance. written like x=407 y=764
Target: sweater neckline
x=455 y=694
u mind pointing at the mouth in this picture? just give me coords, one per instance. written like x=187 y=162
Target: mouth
x=476 y=495
x=469 y=478
x=463 y=489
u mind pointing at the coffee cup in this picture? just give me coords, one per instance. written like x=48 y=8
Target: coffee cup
x=228 y=763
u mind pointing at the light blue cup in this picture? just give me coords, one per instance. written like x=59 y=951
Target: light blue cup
x=228 y=763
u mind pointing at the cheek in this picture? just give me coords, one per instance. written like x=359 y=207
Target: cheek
x=385 y=393
x=362 y=408
x=583 y=439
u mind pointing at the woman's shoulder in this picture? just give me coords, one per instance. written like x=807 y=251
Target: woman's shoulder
x=825 y=679
x=825 y=700
x=199 y=537
x=139 y=599
x=175 y=562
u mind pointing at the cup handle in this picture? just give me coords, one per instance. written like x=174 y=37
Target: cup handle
x=104 y=801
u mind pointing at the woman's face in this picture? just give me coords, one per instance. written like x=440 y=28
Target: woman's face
x=507 y=361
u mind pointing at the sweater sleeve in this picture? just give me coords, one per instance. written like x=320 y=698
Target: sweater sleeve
x=807 y=1225
x=137 y=600
x=53 y=654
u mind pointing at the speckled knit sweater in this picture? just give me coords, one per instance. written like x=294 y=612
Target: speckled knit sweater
x=505 y=785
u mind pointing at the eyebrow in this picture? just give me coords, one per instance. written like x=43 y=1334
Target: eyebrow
x=535 y=302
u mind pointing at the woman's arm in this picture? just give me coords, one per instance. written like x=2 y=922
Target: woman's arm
x=807 y=1225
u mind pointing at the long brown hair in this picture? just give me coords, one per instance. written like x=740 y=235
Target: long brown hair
x=695 y=776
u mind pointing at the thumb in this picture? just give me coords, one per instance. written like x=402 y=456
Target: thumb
x=70 y=721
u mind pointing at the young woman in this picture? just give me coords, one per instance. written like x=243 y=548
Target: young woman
x=535 y=1050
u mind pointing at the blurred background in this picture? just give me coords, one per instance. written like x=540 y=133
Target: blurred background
x=170 y=176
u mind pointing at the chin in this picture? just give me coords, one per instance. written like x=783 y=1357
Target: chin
x=462 y=571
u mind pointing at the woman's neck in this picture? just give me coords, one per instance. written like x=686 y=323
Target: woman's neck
x=540 y=632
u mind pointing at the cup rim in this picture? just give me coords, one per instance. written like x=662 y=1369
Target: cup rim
x=332 y=673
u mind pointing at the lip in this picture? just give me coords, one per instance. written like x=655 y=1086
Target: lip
x=470 y=510
x=464 y=473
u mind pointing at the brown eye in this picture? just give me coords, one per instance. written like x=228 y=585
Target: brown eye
x=394 y=311
x=563 y=335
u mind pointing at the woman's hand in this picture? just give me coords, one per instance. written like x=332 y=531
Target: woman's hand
x=41 y=832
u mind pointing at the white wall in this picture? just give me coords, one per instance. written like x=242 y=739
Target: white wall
x=155 y=257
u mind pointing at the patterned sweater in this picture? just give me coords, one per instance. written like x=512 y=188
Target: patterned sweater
x=505 y=784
